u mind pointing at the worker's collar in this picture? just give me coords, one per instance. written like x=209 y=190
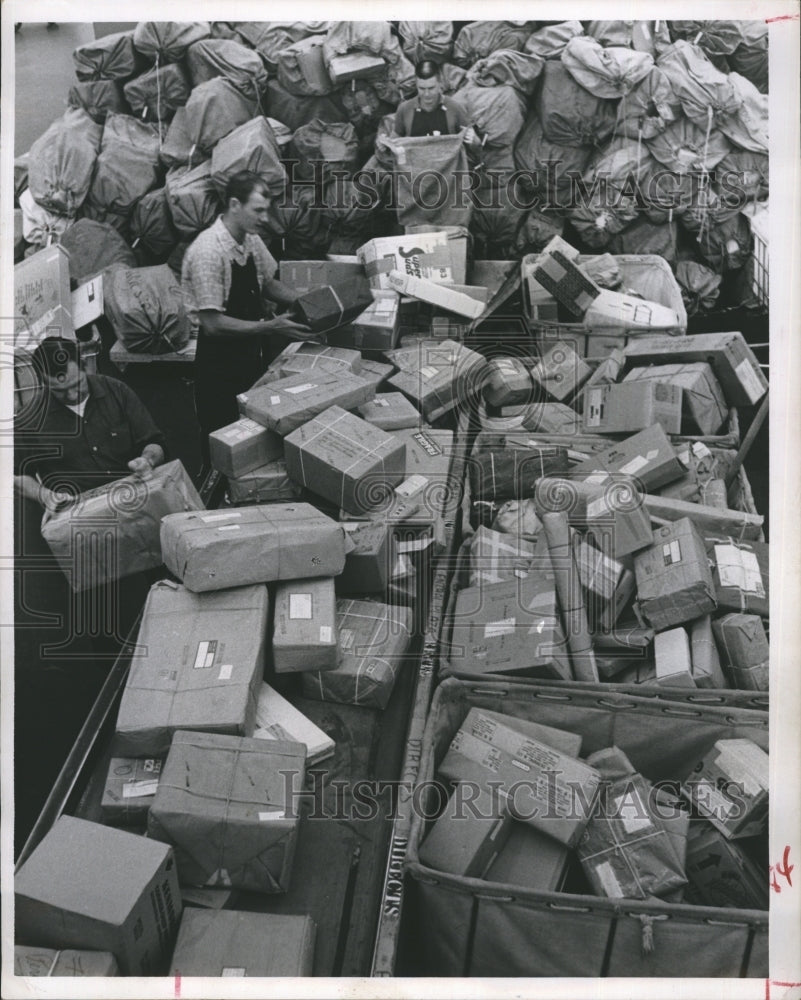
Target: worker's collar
x=441 y=108
x=227 y=237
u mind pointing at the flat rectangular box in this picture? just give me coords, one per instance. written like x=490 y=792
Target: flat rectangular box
x=198 y=665
x=674 y=666
x=225 y=943
x=741 y=574
x=674 y=581
x=268 y=483
x=373 y=640
x=69 y=962
x=560 y=371
x=330 y=306
x=744 y=649
x=628 y=407
x=278 y=541
x=530 y=859
x=229 y=811
x=90 y=886
x=278 y=719
x=341 y=457
x=301 y=356
x=424 y=255
x=305 y=627
x=730 y=786
x=435 y=294
x=438 y=377
x=355 y=65
x=707 y=672
x=42 y=297
x=703 y=405
x=98 y=538
x=732 y=361
x=304 y=275
x=243 y=446
x=286 y=404
x=376 y=329
x=465 y=840
x=546 y=418
x=617 y=310
x=719 y=872
x=130 y=787
x=647 y=455
x=367 y=563
x=391 y=411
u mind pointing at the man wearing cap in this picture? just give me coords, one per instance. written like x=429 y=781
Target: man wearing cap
x=431 y=112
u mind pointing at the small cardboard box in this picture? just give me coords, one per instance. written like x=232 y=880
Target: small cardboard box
x=673 y=661
x=268 y=483
x=223 y=943
x=286 y=541
x=91 y=886
x=617 y=521
x=741 y=574
x=442 y=296
x=130 y=786
x=607 y=584
x=286 y=404
x=341 y=457
x=373 y=640
x=228 y=806
x=355 y=65
x=330 y=306
x=423 y=255
x=703 y=405
x=305 y=627
x=438 y=376
x=304 y=275
x=730 y=788
x=278 y=719
x=243 y=446
x=198 y=665
x=459 y=245
x=367 y=563
x=468 y=835
x=512 y=473
x=627 y=407
x=560 y=371
x=495 y=557
x=49 y=962
x=531 y=860
x=674 y=581
x=732 y=361
x=391 y=411
x=507 y=382
x=113 y=530
x=42 y=297
x=707 y=672
x=744 y=647
x=719 y=873
x=377 y=327
x=555 y=272
x=648 y=456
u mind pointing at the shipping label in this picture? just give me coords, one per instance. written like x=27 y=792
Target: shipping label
x=300 y=606
x=204 y=657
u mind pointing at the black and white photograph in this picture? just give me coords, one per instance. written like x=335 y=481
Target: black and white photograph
x=399 y=440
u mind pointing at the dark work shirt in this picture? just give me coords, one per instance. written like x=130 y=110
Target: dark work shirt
x=429 y=122
x=77 y=453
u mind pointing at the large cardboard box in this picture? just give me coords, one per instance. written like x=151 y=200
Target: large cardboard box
x=278 y=719
x=367 y=564
x=228 y=805
x=468 y=834
x=391 y=411
x=674 y=666
x=423 y=255
x=268 y=483
x=29 y=961
x=131 y=784
x=301 y=356
x=707 y=672
x=329 y=306
x=741 y=574
x=91 y=886
x=373 y=640
x=648 y=456
x=560 y=371
x=305 y=627
x=530 y=859
x=703 y=404
x=227 y=943
x=113 y=531
x=744 y=647
x=243 y=446
x=355 y=65
x=674 y=581
x=42 y=297
x=438 y=376
x=729 y=787
x=732 y=361
x=286 y=404
x=442 y=296
x=304 y=275
x=279 y=541
x=198 y=664
x=627 y=407
x=721 y=874
x=377 y=328
x=341 y=457
x=459 y=245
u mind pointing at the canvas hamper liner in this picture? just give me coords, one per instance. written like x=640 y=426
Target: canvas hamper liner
x=473 y=927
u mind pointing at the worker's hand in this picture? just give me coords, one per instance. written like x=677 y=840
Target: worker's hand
x=140 y=466
x=289 y=327
x=470 y=137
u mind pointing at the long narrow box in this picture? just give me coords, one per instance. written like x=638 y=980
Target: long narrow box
x=90 y=886
x=286 y=404
x=707 y=672
x=243 y=446
x=198 y=665
x=67 y=962
x=355 y=65
x=674 y=666
x=305 y=627
x=627 y=407
x=423 y=255
x=435 y=294
x=286 y=541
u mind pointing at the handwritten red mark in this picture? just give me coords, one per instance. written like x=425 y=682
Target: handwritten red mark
x=776 y=982
x=781 y=17
x=177 y=990
x=784 y=869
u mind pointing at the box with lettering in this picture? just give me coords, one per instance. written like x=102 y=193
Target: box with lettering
x=305 y=627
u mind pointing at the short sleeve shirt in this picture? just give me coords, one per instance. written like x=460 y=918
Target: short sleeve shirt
x=206 y=271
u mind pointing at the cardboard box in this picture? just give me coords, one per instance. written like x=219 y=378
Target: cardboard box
x=91 y=886
x=268 y=483
x=468 y=835
x=375 y=372
x=424 y=255
x=707 y=672
x=377 y=327
x=648 y=456
x=674 y=581
x=373 y=640
x=495 y=557
x=391 y=411
x=627 y=407
x=560 y=371
x=512 y=627
x=113 y=531
x=512 y=473
x=49 y=962
x=87 y=302
x=436 y=294
x=703 y=405
x=608 y=586
x=744 y=647
x=206 y=899
x=438 y=377
x=341 y=457
x=286 y=404
x=286 y=541
x=459 y=245
x=531 y=860
x=546 y=418
x=732 y=360
x=224 y=943
x=131 y=784
x=42 y=297
x=278 y=719
x=507 y=382
x=741 y=574
x=228 y=805
x=719 y=873
x=305 y=627
x=304 y=275
x=674 y=666
x=300 y=356
x=355 y=65
x=554 y=271
x=617 y=520
x=729 y=787
x=198 y=665
x=306 y=58
x=329 y=306
x=243 y=446
x=367 y=563
x=617 y=310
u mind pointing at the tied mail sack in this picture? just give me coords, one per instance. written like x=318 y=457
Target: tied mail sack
x=146 y=309
x=111 y=57
x=430 y=172
x=225 y=57
x=62 y=162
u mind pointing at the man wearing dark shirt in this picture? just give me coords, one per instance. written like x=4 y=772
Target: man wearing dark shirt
x=431 y=113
